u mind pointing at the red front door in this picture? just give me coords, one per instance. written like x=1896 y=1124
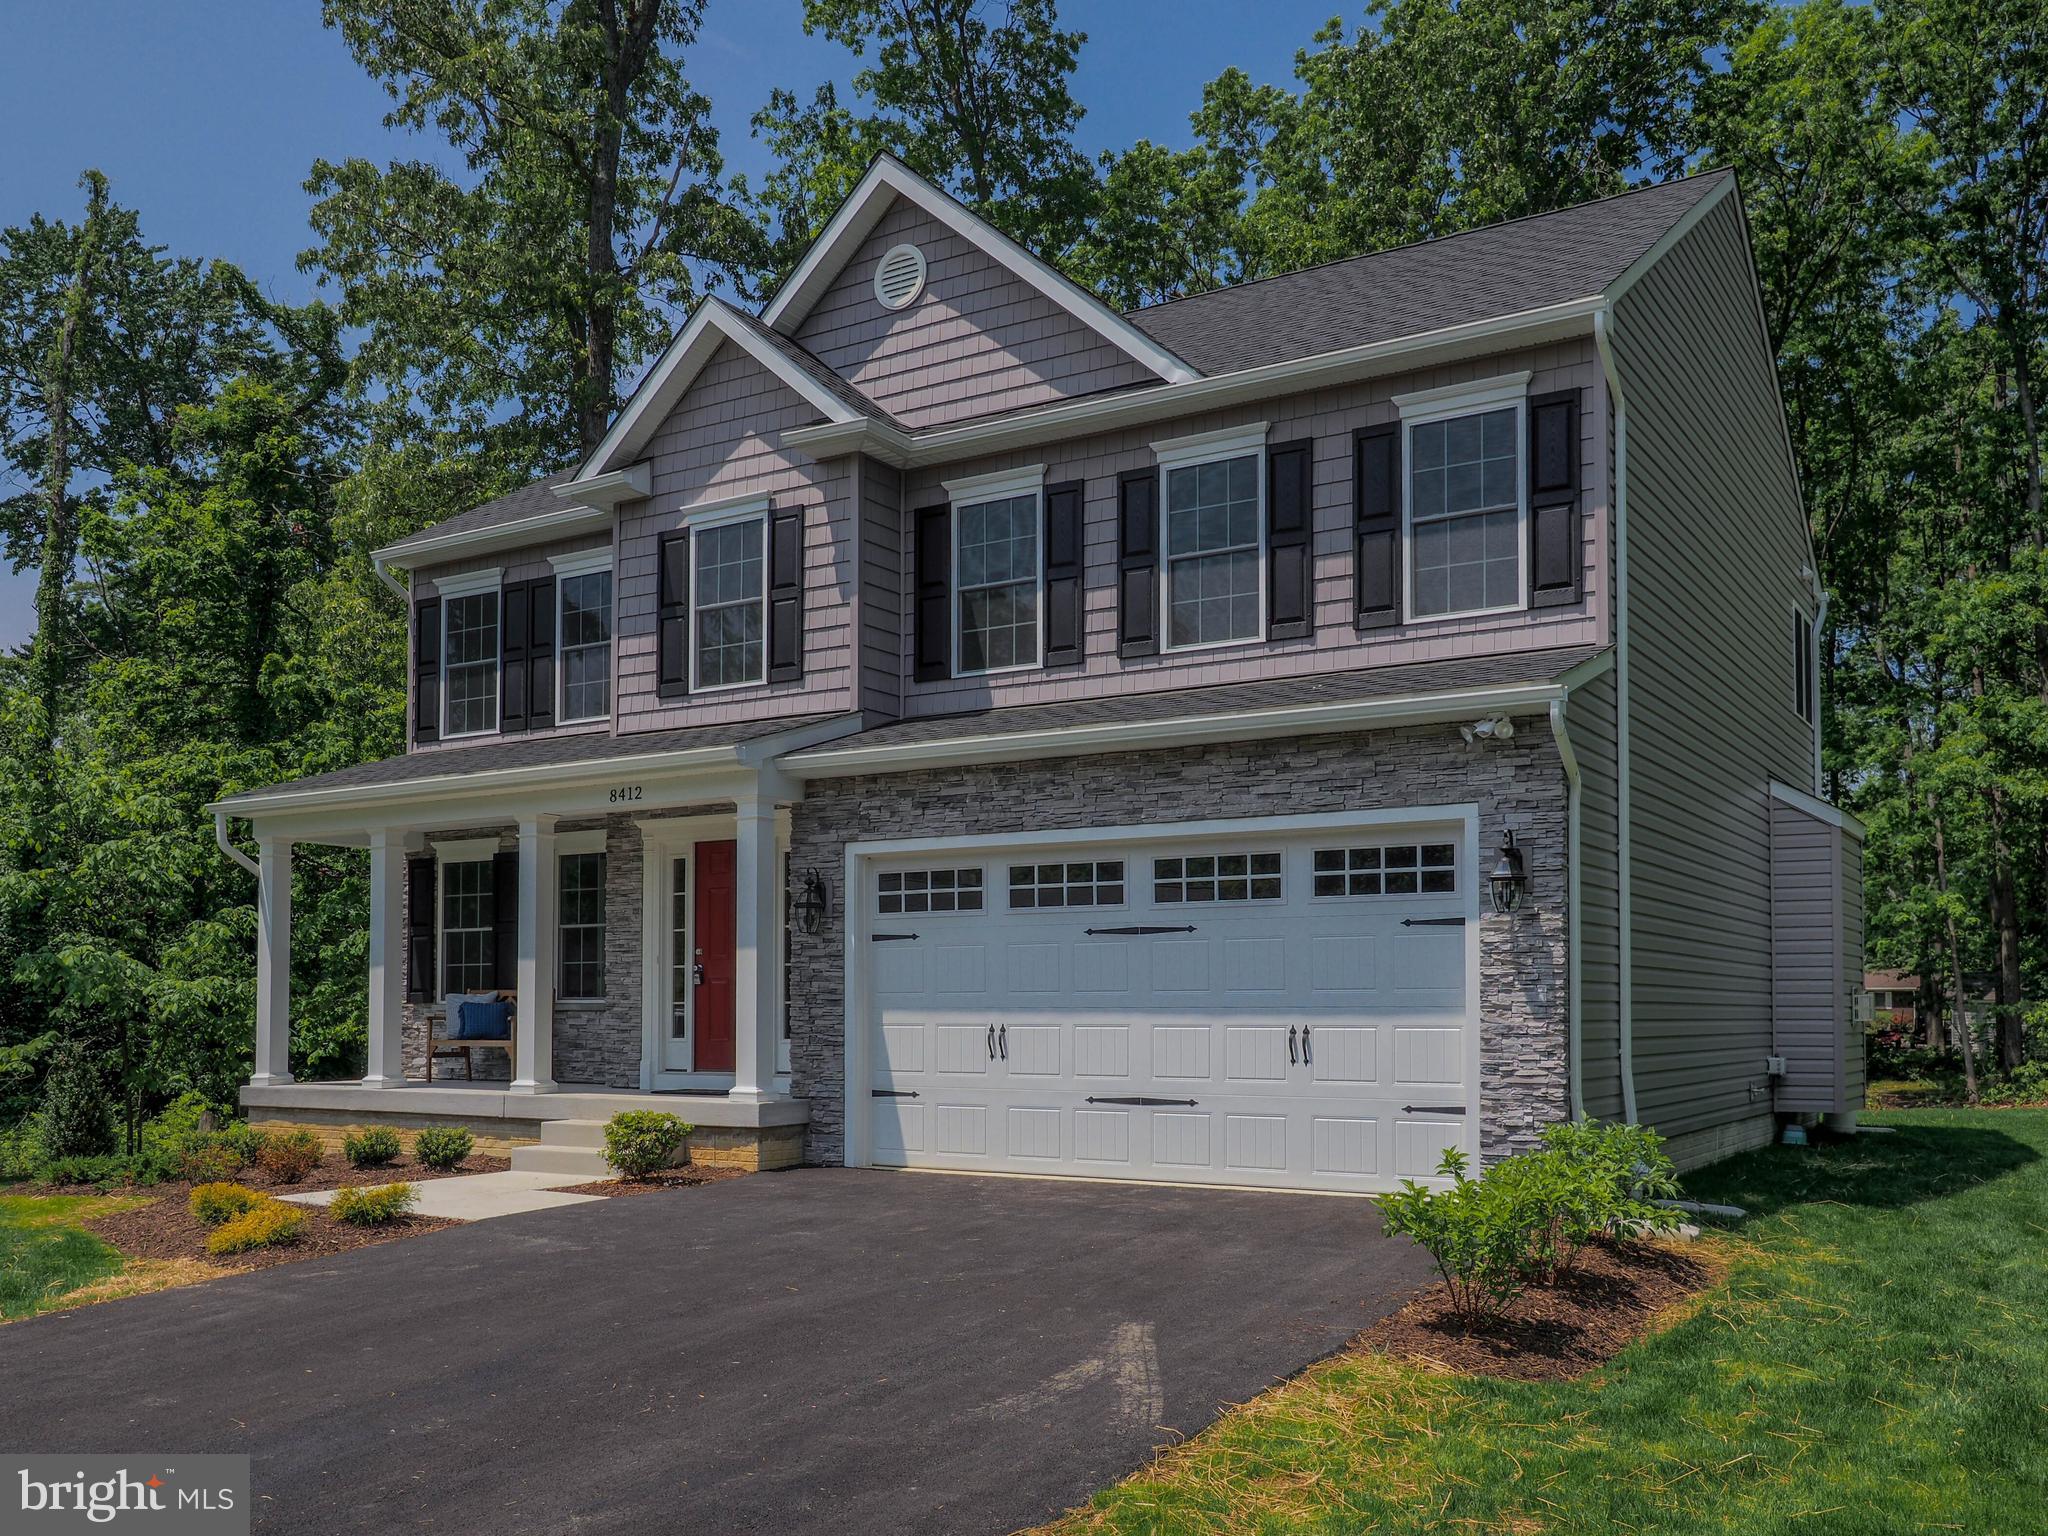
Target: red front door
x=717 y=919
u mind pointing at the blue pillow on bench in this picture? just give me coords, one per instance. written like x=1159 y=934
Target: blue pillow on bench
x=483 y=1021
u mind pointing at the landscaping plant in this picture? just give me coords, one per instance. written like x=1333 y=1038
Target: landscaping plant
x=218 y=1203
x=74 y=1121
x=443 y=1146
x=372 y=1207
x=642 y=1142
x=267 y=1224
x=1474 y=1231
x=372 y=1148
x=209 y=1159
x=288 y=1156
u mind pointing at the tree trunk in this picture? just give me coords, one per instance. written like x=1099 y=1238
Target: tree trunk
x=1955 y=952
x=2005 y=926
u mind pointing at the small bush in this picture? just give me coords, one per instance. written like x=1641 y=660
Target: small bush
x=20 y=1155
x=640 y=1142
x=288 y=1156
x=217 y=1203
x=267 y=1224
x=209 y=1160
x=1479 y=1242
x=75 y=1120
x=443 y=1146
x=243 y=1138
x=373 y=1148
x=106 y=1169
x=372 y=1207
x=2025 y=1084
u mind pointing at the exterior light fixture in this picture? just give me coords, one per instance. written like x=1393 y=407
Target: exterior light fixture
x=814 y=903
x=1508 y=879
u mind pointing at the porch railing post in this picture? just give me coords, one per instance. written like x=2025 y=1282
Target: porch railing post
x=534 y=1026
x=273 y=963
x=758 y=901
x=386 y=1066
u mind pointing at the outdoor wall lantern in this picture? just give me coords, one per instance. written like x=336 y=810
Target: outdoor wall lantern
x=1508 y=879
x=814 y=903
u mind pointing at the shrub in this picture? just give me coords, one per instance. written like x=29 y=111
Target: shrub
x=106 y=1169
x=1479 y=1242
x=443 y=1146
x=288 y=1156
x=242 y=1137
x=74 y=1120
x=372 y=1148
x=372 y=1207
x=2025 y=1084
x=640 y=1142
x=216 y=1203
x=19 y=1154
x=267 y=1224
x=208 y=1160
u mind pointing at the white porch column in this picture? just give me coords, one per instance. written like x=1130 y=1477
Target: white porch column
x=273 y=963
x=386 y=1068
x=759 y=900
x=534 y=1028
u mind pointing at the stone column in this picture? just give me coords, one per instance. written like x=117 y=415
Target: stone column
x=386 y=1067
x=539 y=894
x=755 y=1027
x=273 y=963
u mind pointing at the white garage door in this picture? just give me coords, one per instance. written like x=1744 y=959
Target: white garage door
x=1287 y=1010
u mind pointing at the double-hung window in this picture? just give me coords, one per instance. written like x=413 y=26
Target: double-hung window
x=580 y=916
x=1213 y=505
x=469 y=651
x=998 y=570
x=583 y=643
x=468 y=926
x=1465 y=498
x=729 y=601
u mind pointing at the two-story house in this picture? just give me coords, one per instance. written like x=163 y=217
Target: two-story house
x=1264 y=738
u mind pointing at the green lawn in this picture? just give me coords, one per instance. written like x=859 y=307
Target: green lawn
x=1877 y=1361
x=45 y=1253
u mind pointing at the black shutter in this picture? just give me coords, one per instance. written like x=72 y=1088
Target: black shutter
x=672 y=622
x=1290 y=548
x=1137 y=563
x=1554 y=545
x=505 y=920
x=1063 y=504
x=540 y=653
x=932 y=612
x=1377 y=527
x=785 y=597
x=426 y=673
x=421 y=984
x=513 y=637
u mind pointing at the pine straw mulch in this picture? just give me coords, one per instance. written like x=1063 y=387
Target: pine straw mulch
x=1615 y=1295
x=686 y=1177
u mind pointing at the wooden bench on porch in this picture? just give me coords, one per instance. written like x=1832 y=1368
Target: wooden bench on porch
x=442 y=1039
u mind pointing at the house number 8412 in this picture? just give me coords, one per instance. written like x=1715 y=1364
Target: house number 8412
x=625 y=792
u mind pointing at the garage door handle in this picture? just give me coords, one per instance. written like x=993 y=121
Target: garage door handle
x=893 y=1093
x=1291 y=1057
x=885 y=938
x=1307 y=1054
x=1003 y=1041
x=991 y=1042
x=1432 y=1109
x=1432 y=922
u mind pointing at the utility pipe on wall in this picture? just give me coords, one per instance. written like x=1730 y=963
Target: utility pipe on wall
x=1625 y=898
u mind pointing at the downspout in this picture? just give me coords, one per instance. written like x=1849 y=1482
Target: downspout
x=220 y=835
x=1603 y=320
x=1574 y=987
x=389 y=580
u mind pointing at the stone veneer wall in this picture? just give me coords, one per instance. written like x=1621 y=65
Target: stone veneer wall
x=1523 y=1003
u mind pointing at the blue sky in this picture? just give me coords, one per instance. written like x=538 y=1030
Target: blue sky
x=206 y=114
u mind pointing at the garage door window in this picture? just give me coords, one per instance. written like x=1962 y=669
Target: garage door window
x=928 y=890
x=1399 y=869
x=1217 y=877
x=1087 y=883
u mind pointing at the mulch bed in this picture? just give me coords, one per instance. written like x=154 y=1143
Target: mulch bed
x=1613 y=1297
x=687 y=1177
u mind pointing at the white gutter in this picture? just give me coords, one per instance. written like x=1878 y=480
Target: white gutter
x=1575 y=990
x=1603 y=321
x=384 y=575
x=411 y=554
x=220 y=835
x=998 y=745
x=634 y=482
x=1106 y=412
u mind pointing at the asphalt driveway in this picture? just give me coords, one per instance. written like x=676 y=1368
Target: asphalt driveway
x=827 y=1349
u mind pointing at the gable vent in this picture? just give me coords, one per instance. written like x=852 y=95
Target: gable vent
x=899 y=276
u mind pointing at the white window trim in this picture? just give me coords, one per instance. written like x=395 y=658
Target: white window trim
x=973 y=491
x=726 y=509
x=749 y=509
x=591 y=841
x=470 y=850
x=590 y=562
x=471 y=584
x=568 y=844
x=1422 y=408
x=1187 y=453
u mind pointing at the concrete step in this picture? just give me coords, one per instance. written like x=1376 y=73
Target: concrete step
x=545 y=1159
x=572 y=1133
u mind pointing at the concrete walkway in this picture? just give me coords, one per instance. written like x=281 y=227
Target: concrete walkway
x=480 y=1196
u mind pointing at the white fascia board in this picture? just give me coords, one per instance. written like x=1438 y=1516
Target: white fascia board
x=709 y=328
x=633 y=482
x=858 y=215
x=1055 y=423
x=1817 y=808
x=565 y=524
x=1188 y=730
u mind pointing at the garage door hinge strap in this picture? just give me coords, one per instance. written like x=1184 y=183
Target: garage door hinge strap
x=1141 y=1099
x=1145 y=928
x=1432 y=922
x=884 y=938
x=1432 y=1109
x=893 y=1093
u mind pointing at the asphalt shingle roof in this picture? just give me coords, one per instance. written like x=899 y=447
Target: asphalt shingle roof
x=530 y=500
x=1480 y=274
